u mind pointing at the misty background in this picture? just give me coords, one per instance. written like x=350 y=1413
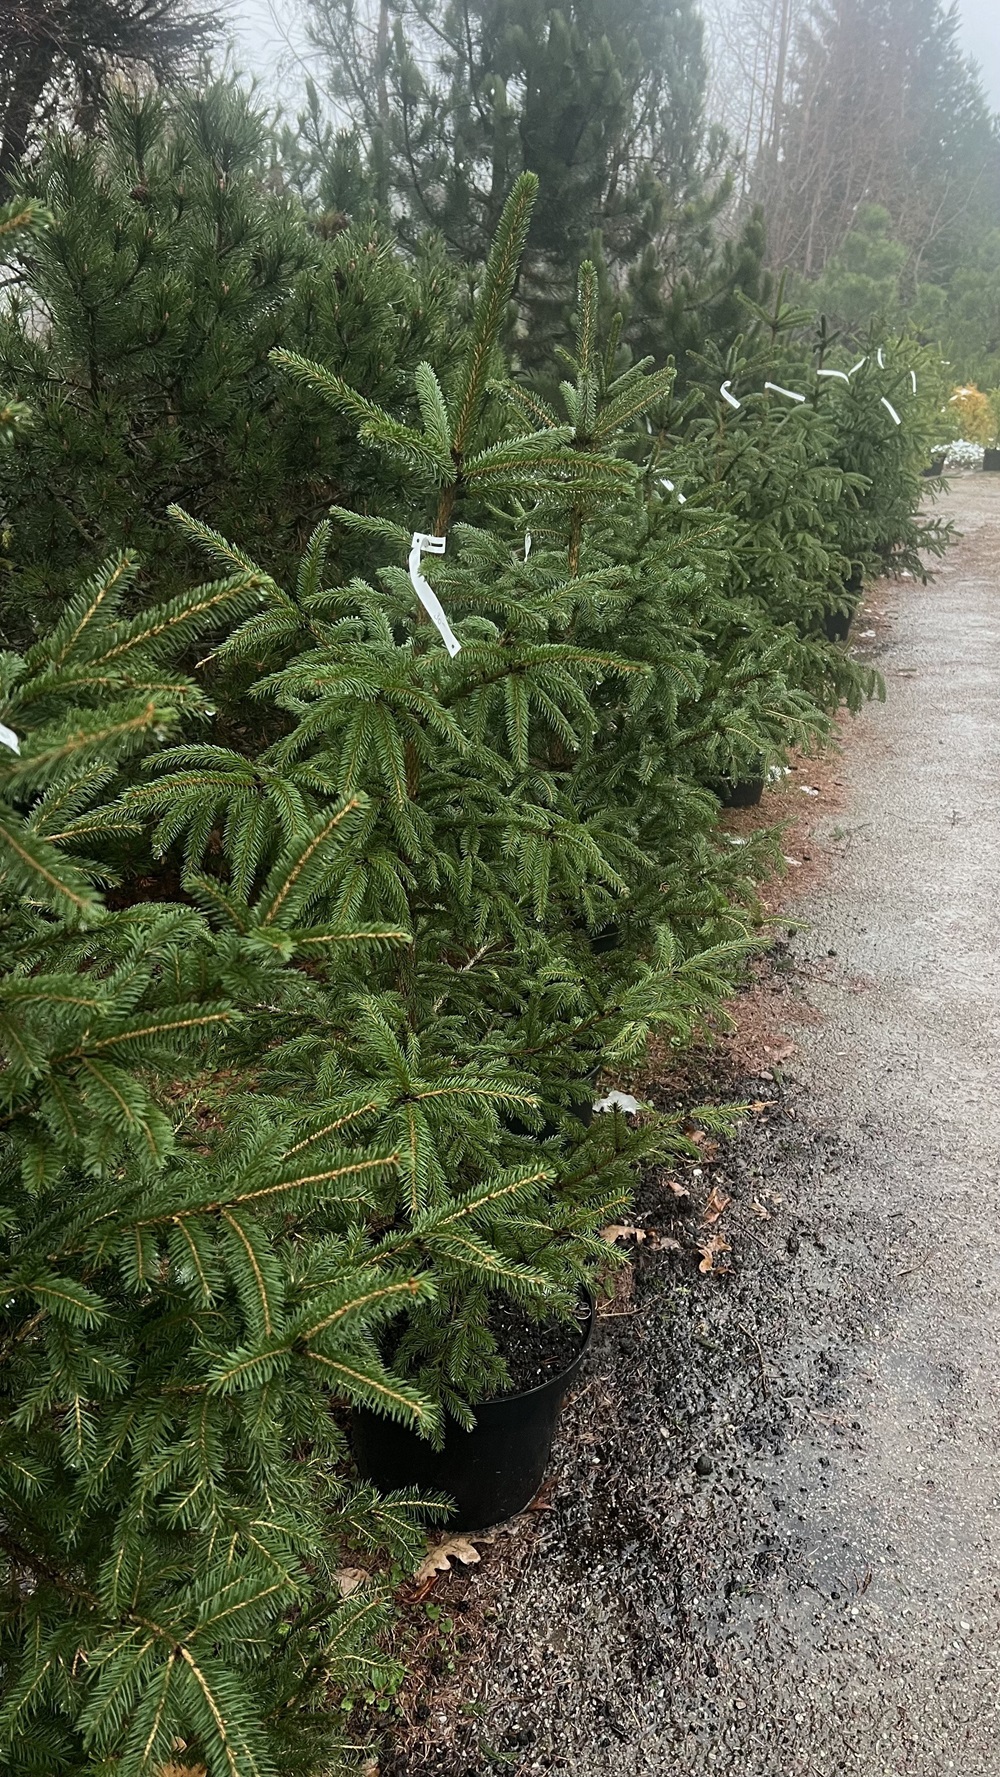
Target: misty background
x=270 y=41
x=840 y=157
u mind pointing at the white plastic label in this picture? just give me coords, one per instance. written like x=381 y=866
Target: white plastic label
x=618 y=1101
x=913 y=379
x=887 y=404
x=881 y=358
x=426 y=594
x=858 y=366
x=527 y=544
x=841 y=373
x=9 y=739
x=776 y=389
x=681 y=498
x=727 y=394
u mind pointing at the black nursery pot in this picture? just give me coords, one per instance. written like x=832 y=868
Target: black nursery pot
x=837 y=625
x=491 y=1472
x=991 y=461
x=936 y=467
x=607 y=939
x=742 y=795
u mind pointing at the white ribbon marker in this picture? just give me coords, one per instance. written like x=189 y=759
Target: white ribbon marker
x=858 y=366
x=727 y=394
x=776 y=389
x=913 y=379
x=527 y=544
x=9 y=739
x=841 y=373
x=881 y=358
x=426 y=594
x=887 y=404
x=681 y=498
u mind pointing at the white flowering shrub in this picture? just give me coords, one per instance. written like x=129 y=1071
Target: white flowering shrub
x=962 y=453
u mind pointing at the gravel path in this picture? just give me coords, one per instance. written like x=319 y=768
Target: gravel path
x=827 y=1599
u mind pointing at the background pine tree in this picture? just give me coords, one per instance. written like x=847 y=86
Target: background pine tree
x=59 y=56
x=604 y=103
x=138 y=326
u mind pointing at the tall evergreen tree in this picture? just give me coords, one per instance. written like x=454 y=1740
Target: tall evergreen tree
x=883 y=109
x=603 y=102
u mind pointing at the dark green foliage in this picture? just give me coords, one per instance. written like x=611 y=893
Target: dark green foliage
x=317 y=937
x=139 y=331
x=187 y=1278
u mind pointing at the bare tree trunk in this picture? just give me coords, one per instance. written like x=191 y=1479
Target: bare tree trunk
x=27 y=86
x=781 y=74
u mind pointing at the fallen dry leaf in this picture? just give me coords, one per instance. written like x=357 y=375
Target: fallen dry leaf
x=780 y=1051
x=349 y=1579
x=542 y=1501
x=678 y=1189
x=440 y=1557
x=706 y=1144
x=662 y=1242
x=759 y=1210
x=622 y=1231
x=760 y=1105
x=711 y=1250
x=716 y=1206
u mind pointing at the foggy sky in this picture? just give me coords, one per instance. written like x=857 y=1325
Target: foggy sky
x=258 y=46
x=981 y=20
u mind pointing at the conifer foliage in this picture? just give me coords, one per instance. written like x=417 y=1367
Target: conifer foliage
x=137 y=327
x=320 y=924
x=179 y=1300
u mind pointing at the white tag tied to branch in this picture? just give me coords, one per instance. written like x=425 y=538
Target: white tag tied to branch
x=858 y=366
x=727 y=394
x=776 y=389
x=887 y=404
x=881 y=358
x=426 y=594
x=681 y=498
x=9 y=739
x=841 y=373
x=913 y=379
x=527 y=544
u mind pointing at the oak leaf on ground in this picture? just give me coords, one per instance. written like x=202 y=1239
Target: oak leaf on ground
x=440 y=1556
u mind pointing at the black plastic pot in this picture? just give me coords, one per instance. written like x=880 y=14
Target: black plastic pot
x=935 y=467
x=991 y=461
x=491 y=1472
x=607 y=939
x=837 y=625
x=742 y=795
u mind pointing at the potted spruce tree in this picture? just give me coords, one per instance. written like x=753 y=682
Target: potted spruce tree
x=189 y=1284
x=489 y=831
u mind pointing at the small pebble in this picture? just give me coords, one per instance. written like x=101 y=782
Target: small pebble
x=703 y=1466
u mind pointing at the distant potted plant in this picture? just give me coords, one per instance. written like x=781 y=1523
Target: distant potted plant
x=991 y=454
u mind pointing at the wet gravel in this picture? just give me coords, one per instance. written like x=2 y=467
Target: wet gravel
x=770 y=1543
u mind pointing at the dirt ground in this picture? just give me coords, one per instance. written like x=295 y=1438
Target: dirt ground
x=769 y=1545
